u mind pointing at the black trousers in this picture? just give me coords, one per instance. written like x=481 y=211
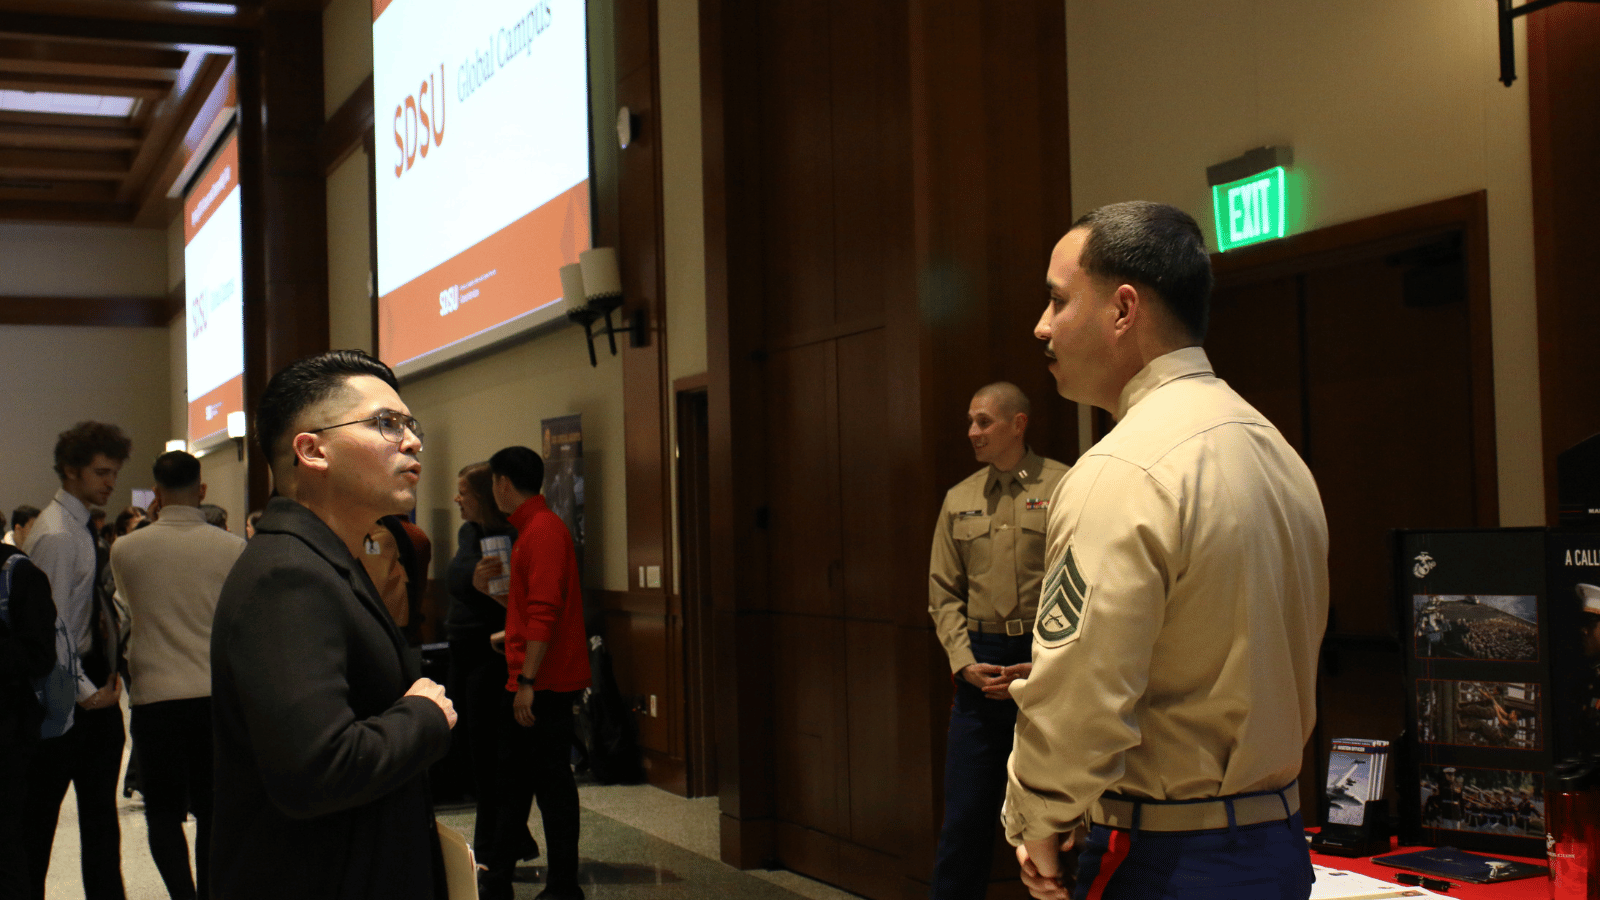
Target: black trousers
x=173 y=741
x=477 y=686
x=89 y=757
x=532 y=762
x=14 y=881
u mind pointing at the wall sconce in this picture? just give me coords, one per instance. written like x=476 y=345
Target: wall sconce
x=237 y=430
x=177 y=444
x=593 y=290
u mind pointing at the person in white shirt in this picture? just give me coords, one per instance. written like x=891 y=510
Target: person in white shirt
x=88 y=457
x=170 y=574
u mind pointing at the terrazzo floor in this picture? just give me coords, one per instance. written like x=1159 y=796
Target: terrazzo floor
x=637 y=842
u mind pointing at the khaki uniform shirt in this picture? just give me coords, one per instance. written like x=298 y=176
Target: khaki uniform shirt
x=1175 y=650
x=988 y=551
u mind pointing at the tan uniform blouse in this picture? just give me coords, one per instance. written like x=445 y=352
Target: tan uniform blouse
x=1175 y=649
x=988 y=551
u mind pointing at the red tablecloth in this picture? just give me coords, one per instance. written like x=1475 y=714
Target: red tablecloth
x=1524 y=889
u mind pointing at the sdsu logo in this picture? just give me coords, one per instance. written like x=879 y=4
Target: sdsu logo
x=419 y=121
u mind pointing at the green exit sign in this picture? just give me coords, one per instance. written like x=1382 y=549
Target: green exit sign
x=1250 y=210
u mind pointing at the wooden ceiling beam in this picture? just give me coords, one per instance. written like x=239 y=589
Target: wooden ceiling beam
x=106 y=59
x=69 y=165
x=58 y=191
x=68 y=138
x=123 y=20
x=176 y=137
x=87 y=70
x=18 y=117
x=84 y=213
x=147 y=312
x=138 y=89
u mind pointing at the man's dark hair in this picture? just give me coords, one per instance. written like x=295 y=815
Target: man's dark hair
x=524 y=467
x=1157 y=246
x=176 y=470
x=120 y=525
x=215 y=515
x=76 y=447
x=305 y=383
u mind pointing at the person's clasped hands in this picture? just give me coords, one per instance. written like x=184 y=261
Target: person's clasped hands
x=995 y=681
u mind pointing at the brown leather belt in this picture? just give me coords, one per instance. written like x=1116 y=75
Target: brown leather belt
x=1010 y=627
x=1197 y=815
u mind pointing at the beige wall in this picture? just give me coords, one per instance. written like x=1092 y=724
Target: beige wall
x=346 y=49
x=82 y=261
x=1387 y=105
x=475 y=408
x=683 y=208
x=349 y=254
x=58 y=376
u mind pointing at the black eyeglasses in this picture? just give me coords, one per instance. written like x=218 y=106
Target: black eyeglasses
x=391 y=425
x=1424 y=882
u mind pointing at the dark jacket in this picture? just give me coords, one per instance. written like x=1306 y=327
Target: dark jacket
x=321 y=761
x=27 y=650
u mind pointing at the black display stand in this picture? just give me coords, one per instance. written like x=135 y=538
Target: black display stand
x=1489 y=619
x=1369 y=838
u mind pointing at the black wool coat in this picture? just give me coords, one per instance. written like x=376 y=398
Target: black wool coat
x=321 y=761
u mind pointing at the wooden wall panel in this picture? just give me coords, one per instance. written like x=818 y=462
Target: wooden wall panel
x=866 y=235
x=803 y=481
x=870 y=115
x=869 y=666
x=735 y=326
x=1563 y=94
x=868 y=512
x=808 y=701
x=1404 y=387
x=1251 y=322
x=796 y=187
x=284 y=205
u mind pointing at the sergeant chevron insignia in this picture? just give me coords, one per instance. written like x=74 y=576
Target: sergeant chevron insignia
x=1062 y=603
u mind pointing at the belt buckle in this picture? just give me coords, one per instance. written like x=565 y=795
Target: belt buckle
x=1019 y=628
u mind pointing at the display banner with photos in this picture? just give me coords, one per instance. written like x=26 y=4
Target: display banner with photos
x=1501 y=680
x=562 y=450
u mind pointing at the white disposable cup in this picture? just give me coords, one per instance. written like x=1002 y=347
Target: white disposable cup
x=498 y=546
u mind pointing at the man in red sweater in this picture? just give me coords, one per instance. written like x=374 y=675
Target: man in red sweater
x=548 y=666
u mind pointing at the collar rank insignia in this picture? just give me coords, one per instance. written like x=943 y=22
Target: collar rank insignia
x=969 y=513
x=1038 y=503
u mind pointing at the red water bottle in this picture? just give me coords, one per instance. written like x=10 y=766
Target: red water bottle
x=1572 y=831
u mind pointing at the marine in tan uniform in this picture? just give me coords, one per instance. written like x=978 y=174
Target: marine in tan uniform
x=983 y=589
x=1175 y=652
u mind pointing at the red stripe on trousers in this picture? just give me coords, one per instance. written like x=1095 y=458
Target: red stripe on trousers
x=1116 y=852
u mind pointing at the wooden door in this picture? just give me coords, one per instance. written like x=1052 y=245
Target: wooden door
x=1367 y=361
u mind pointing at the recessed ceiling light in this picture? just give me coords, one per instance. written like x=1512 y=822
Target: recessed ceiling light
x=66 y=104
x=206 y=9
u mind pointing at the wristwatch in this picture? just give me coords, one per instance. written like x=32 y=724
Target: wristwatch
x=523 y=679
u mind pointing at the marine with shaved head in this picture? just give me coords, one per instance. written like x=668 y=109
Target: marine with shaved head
x=983 y=588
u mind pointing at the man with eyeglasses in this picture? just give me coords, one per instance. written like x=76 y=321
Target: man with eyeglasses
x=324 y=730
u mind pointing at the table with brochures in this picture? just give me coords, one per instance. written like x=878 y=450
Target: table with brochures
x=1523 y=889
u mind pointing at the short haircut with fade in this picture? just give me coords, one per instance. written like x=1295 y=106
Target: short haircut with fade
x=176 y=470
x=1010 y=398
x=1157 y=246
x=524 y=467
x=305 y=383
x=77 y=446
